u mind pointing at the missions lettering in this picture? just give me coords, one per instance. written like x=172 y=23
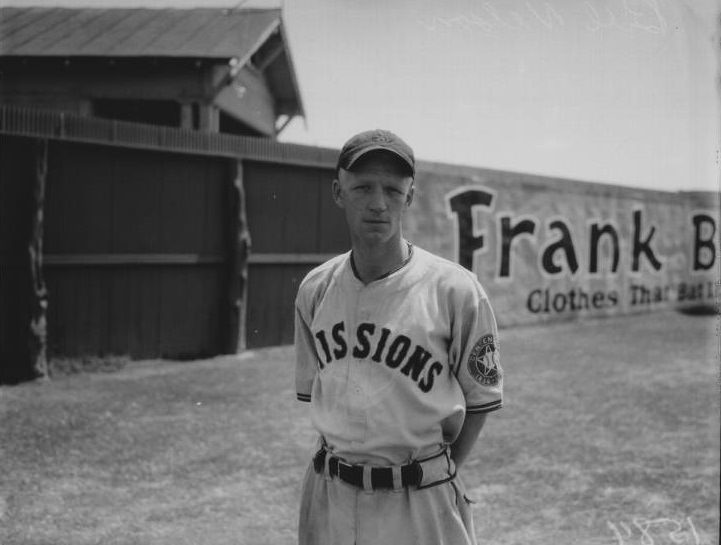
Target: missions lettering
x=394 y=351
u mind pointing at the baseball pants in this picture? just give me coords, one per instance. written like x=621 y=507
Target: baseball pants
x=336 y=513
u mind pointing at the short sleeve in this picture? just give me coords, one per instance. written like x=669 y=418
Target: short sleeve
x=306 y=357
x=475 y=353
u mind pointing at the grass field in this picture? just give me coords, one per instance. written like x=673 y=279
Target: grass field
x=609 y=435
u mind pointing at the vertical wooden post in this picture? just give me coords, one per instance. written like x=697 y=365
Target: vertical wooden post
x=238 y=251
x=209 y=118
x=186 y=115
x=37 y=340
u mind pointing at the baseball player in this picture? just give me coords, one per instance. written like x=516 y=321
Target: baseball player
x=397 y=354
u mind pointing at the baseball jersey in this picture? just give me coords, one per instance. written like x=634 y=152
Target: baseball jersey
x=391 y=367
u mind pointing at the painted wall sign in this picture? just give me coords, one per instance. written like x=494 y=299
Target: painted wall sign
x=548 y=249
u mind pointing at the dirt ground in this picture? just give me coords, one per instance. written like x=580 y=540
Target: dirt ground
x=609 y=435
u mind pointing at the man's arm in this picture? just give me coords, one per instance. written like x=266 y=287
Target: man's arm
x=462 y=446
x=305 y=356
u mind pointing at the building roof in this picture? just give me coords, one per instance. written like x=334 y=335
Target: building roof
x=109 y=32
x=219 y=34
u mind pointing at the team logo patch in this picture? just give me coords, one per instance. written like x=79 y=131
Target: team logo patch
x=381 y=137
x=483 y=361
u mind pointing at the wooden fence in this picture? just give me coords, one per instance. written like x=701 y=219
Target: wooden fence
x=145 y=244
x=131 y=239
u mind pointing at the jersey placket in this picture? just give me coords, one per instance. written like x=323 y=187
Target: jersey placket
x=365 y=312
x=357 y=313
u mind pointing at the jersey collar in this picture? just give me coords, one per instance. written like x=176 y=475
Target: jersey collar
x=385 y=275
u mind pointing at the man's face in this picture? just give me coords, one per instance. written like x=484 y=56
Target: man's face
x=374 y=196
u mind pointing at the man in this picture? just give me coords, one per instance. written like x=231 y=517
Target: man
x=397 y=353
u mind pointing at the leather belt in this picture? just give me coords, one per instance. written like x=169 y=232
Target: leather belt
x=381 y=477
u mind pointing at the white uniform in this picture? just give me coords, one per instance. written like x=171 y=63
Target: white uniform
x=390 y=370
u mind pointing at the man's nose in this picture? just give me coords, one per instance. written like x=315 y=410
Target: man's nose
x=377 y=201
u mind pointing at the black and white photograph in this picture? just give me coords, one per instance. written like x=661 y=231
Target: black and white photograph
x=360 y=272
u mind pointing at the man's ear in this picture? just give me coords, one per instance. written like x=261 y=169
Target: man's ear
x=335 y=189
x=411 y=190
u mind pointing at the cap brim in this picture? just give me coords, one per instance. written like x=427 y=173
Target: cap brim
x=360 y=153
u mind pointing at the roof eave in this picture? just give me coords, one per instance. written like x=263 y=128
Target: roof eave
x=291 y=68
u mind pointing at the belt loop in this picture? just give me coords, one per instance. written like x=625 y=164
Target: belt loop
x=397 y=479
x=326 y=465
x=451 y=462
x=318 y=458
x=367 y=480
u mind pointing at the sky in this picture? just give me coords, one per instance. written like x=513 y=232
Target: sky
x=617 y=91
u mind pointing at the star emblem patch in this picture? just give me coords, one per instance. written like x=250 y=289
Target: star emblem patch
x=483 y=361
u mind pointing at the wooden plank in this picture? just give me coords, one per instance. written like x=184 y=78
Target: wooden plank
x=161 y=311
x=264 y=304
x=134 y=312
x=59 y=329
x=295 y=226
x=182 y=205
x=300 y=221
x=271 y=296
x=187 y=190
x=92 y=312
x=14 y=317
x=189 y=317
x=72 y=260
x=135 y=222
x=16 y=207
x=292 y=276
x=16 y=181
x=153 y=283
x=79 y=208
x=78 y=319
x=133 y=320
x=215 y=179
x=333 y=233
x=58 y=201
x=121 y=302
x=291 y=210
x=282 y=208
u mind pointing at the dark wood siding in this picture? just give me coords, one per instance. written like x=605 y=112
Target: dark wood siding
x=271 y=295
x=294 y=225
x=16 y=185
x=157 y=112
x=135 y=252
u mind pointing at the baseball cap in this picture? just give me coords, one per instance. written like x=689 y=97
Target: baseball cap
x=377 y=139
